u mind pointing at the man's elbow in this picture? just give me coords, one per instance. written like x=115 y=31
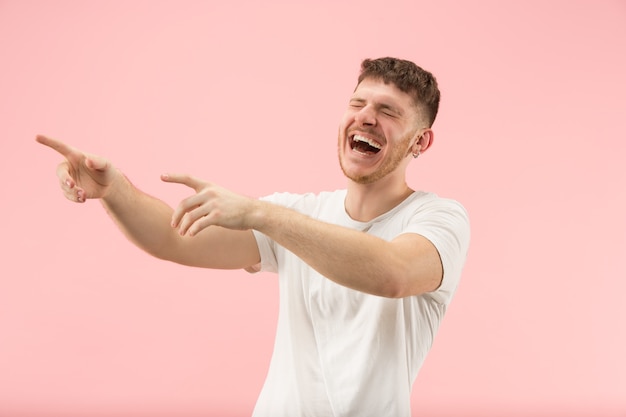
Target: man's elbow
x=407 y=284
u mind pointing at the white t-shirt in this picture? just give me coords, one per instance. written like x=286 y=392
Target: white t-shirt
x=340 y=352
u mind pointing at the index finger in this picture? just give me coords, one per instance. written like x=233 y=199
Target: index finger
x=184 y=179
x=57 y=145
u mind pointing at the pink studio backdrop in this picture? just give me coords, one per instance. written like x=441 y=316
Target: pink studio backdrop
x=531 y=139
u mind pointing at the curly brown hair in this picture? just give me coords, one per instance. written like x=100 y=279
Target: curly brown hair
x=407 y=77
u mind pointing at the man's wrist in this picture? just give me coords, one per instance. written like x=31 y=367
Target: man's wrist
x=116 y=188
x=256 y=218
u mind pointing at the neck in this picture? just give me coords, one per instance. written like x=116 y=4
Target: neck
x=365 y=202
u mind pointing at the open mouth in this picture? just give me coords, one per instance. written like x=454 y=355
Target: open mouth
x=364 y=145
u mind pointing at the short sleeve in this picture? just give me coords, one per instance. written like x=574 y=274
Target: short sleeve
x=445 y=223
x=269 y=262
x=267 y=247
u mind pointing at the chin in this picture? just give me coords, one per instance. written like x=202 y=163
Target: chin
x=360 y=178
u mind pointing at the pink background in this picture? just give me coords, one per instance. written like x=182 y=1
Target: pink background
x=530 y=138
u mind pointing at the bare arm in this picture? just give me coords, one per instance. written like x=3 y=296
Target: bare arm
x=407 y=265
x=145 y=220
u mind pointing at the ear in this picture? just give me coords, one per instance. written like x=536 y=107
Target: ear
x=424 y=141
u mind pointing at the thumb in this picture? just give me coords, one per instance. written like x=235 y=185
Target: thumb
x=97 y=163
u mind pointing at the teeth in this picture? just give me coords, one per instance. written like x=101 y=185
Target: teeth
x=370 y=142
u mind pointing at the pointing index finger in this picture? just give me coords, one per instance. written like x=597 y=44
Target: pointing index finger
x=184 y=179
x=57 y=145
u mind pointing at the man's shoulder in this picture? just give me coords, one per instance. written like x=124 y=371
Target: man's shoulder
x=427 y=200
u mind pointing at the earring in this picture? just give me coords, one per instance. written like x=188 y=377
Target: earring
x=415 y=155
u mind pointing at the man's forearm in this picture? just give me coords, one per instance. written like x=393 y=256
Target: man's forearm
x=144 y=219
x=353 y=258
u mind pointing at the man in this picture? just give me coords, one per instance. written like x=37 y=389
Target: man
x=365 y=273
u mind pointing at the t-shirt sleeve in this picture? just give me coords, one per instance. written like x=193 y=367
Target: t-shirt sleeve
x=446 y=224
x=268 y=249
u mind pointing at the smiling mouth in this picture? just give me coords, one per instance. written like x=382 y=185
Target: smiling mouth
x=364 y=145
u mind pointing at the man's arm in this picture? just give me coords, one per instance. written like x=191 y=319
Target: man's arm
x=407 y=265
x=145 y=220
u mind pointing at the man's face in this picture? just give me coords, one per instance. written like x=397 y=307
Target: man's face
x=376 y=132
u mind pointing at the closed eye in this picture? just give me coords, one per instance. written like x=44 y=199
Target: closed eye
x=389 y=110
x=357 y=104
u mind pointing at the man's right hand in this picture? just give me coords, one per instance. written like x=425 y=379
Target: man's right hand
x=146 y=220
x=81 y=176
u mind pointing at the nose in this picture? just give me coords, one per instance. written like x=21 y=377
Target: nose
x=366 y=116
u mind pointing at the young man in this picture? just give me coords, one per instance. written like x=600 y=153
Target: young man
x=365 y=273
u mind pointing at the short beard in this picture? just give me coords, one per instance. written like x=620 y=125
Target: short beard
x=393 y=161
